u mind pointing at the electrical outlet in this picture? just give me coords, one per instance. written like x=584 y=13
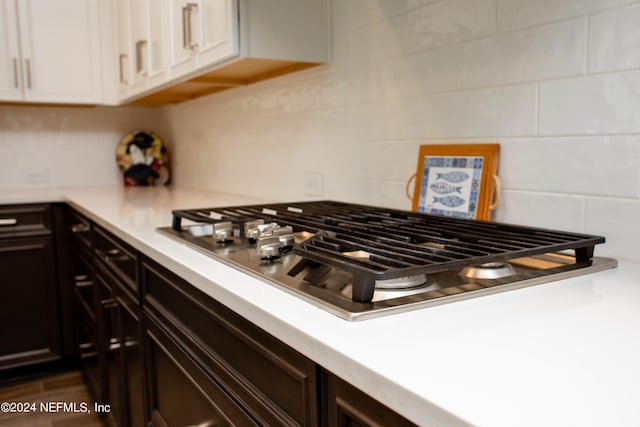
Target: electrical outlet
x=33 y=176
x=313 y=184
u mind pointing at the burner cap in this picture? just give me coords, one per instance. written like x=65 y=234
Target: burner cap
x=402 y=282
x=490 y=270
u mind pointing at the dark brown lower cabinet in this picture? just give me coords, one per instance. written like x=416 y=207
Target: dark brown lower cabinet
x=121 y=332
x=30 y=331
x=180 y=392
x=89 y=355
x=271 y=382
x=349 y=407
x=172 y=355
x=134 y=392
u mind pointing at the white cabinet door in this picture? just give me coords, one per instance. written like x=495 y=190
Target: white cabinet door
x=203 y=32
x=184 y=41
x=157 y=44
x=219 y=31
x=10 y=83
x=148 y=28
x=140 y=41
x=60 y=51
x=123 y=35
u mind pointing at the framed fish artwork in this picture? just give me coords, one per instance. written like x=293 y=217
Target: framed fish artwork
x=457 y=180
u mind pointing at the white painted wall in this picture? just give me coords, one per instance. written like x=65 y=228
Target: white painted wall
x=555 y=82
x=64 y=147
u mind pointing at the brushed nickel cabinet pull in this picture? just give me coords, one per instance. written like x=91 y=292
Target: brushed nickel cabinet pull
x=79 y=228
x=115 y=255
x=187 y=27
x=8 y=221
x=109 y=304
x=140 y=63
x=84 y=283
x=123 y=58
x=16 y=83
x=28 y=63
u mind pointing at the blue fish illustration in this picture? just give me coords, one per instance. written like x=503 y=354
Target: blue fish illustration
x=449 y=201
x=453 y=176
x=444 y=188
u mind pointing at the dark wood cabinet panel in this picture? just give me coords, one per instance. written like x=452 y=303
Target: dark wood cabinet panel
x=25 y=220
x=80 y=231
x=273 y=382
x=180 y=391
x=132 y=362
x=84 y=286
x=121 y=337
x=118 y=257
x=346 y=406
x=33 y=307
x=28 y=302
x=89 y=353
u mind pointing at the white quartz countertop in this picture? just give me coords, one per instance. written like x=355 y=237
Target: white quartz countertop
x=560 y=354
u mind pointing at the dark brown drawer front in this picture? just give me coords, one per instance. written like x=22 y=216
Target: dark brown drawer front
x=275 y=383
x=81 y=230
x=25 y=220
x=181 y=392
x=84 y=286
x=348 y=407
x=89 y=355
x=118 y=257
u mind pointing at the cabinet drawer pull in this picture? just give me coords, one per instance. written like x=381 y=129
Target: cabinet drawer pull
x=8 y=221
x=115 y=255
x=84 y=283
x=109 y=304
x=16 y=83
x=28 y=63
x=123 y=58
x=187 y=26
x=140 y=62
x=79 y=228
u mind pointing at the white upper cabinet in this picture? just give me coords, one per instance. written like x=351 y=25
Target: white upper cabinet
x=214 y=45
x=152 y=52
x=202 y=32
x=57 y=59
x=10 y=78
x=122 y=34
x=141 y=33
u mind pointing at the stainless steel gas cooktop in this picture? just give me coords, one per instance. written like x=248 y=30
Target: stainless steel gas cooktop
x=360 y=262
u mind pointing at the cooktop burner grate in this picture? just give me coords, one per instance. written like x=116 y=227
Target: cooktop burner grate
x=376 y=244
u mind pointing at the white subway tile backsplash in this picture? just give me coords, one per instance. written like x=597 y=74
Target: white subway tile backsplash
x=400 y=118
x=538 y=53
x=57 y=147
x=546 y=210
x=616 y=220
x=370 y=44
x=599 y=104
x=605 y=166
x=614 y=39
x=448 y=22
x=368 y=192
x=523 y=13
x=352 y=14
x=502 y=111
x=376 y=160
x=404 y=73
x=423 y=73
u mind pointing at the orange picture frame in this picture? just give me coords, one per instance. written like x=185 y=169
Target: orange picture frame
x=457 y=180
